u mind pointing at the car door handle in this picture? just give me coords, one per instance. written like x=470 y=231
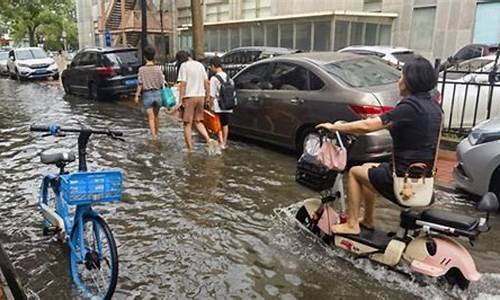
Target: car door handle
x=296 y=101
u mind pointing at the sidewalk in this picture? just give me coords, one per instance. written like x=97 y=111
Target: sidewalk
x=445 y=164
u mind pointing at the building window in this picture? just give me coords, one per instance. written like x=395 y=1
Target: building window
x=322 y=36
x=341 y=34
x=372 y=5
x=486 y=27
x=422 y=28
x=371 y=34
x=246 y=36
x=251 y=9
x=258 y=35
x=384 y=35
x=211 y=40
x=223 y=40
x=303 y=36
x=356 y=33
x=286 y=33
x=272 y=35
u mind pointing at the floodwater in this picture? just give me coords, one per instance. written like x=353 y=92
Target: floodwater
x=192 y=226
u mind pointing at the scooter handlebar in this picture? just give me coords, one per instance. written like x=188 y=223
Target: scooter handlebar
x=47 y=128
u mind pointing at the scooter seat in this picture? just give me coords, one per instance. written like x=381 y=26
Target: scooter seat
x=450 y=219
x=57 y=156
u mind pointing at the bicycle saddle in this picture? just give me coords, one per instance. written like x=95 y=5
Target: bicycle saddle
x=57 y=156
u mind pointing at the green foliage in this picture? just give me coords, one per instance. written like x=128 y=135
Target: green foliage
x=40 y=20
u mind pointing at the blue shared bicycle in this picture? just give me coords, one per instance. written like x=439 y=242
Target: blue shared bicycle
x=93 y=254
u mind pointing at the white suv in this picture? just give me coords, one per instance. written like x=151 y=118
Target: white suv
x=29 y=63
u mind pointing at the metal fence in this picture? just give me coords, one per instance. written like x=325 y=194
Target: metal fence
x=470 y=93
x=170 y=71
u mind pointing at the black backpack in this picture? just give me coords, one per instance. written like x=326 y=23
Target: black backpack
x=227 y=94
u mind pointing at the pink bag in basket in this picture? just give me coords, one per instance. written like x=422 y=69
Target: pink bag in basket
x=332 y=156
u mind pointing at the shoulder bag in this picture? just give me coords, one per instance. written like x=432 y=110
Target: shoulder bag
x=414 y=192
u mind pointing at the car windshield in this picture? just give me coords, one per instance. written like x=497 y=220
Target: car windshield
x=30 y=54
x=404 y=56
x=4 y=55
x=363 y=72
x=123 y=58
x=473 y=65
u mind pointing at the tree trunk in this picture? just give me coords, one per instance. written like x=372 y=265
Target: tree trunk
x=198 y=34
x=32 y=38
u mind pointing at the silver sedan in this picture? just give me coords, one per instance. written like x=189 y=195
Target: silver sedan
x=478 y=155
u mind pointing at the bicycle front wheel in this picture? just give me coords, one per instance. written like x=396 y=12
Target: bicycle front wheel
x=97 y=273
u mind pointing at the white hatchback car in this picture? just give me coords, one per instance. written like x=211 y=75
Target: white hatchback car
x=30 y=63
x=395 y=56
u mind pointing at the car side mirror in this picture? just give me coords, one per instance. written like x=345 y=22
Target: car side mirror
x=488 y=203
x=450 y=59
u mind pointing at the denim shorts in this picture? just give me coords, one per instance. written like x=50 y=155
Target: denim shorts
x=151 y=98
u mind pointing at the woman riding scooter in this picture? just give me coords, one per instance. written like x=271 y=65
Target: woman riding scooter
x=414 y=125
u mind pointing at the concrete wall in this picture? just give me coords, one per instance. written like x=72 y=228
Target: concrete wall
x=453 y=25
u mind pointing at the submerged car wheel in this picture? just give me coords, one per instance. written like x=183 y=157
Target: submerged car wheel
x=495 y=183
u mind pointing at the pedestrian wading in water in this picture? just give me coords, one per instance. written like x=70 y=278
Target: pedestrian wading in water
x=194 y=92
x=151 y=82
x=215 y=94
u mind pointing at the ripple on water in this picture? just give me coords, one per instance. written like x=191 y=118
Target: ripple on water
x=188 y=226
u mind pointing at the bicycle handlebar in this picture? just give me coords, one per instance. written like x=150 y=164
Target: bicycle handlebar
x=46 y=128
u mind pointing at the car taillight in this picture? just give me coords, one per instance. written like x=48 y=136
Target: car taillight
x=366 y=111
x=106 y=71
x=438 y=97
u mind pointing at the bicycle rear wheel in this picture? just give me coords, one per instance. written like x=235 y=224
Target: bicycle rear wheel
x=97 y=274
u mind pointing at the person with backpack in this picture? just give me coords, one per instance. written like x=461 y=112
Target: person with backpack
x=223 y=98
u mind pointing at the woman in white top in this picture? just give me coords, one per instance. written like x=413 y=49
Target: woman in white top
x=215 y=85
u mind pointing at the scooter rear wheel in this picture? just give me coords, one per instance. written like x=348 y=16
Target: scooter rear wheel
x=455 y=277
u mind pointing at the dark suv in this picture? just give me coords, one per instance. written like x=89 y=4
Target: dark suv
x=101 y=73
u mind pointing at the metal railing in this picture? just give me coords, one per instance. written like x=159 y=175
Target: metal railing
x=469 y=96
x=170 y=71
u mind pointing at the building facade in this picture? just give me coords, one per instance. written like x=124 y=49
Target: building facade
x=433 y=28
x=118 y=23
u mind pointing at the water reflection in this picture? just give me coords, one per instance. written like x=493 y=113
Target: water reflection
x=189 y=225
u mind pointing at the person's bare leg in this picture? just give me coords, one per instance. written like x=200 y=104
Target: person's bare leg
x=151 y=121
x=369 y=196
x=354 y=194
x=225 y=131
x=220 y=135
x=369 y=212
x=188 y=131
x=202 y=130
x=157 y=120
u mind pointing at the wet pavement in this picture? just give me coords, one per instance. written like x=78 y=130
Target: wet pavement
x=192 y=226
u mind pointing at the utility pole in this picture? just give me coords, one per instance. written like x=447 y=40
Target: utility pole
x=144 y=33
x=197 y=28
x=162 y=47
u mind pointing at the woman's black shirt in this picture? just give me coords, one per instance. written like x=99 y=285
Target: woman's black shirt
x=414 y=125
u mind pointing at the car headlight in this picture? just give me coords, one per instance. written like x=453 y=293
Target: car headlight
x=23 y=65
x=481 y=137
x=53 y=66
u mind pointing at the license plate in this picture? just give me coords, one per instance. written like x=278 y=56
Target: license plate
x=41 y=71
x=130 y=82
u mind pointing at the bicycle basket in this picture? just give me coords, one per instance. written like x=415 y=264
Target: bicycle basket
x=91 y=187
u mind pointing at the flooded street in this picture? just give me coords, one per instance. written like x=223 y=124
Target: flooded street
x=191 y=226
